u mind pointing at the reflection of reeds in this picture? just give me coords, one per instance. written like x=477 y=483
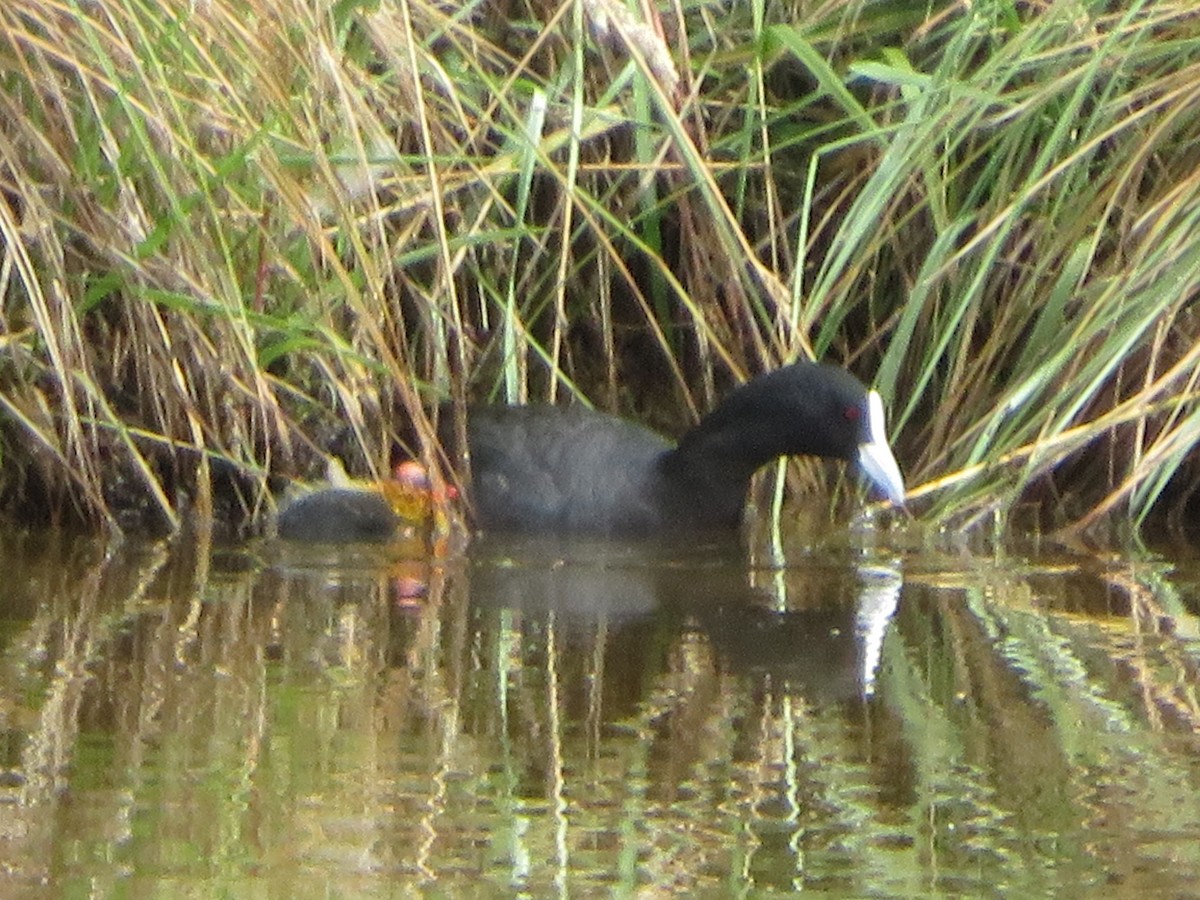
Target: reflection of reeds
x=233 y=247
x=1165 y=669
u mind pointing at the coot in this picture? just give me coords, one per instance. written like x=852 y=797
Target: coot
x=571 y=470
x=356 y=512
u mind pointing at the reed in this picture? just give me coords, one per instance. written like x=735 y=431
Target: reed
x=237 y=237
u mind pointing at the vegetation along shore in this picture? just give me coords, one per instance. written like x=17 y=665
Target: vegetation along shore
x=240 y=239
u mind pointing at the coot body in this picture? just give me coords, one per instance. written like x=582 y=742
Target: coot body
x=549 y=469
x=570 y=470
x=338 y=516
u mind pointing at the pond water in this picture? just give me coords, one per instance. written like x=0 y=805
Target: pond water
x=870 y=717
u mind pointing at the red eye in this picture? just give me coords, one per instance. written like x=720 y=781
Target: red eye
x=852 y=413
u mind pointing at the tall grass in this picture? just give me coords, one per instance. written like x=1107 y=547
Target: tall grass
x=237 y=237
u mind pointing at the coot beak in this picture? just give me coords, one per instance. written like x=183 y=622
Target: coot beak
x=875 y=456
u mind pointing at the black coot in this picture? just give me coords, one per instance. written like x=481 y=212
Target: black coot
x=570 y=470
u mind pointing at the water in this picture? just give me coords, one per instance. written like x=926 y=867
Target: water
x=873 y=718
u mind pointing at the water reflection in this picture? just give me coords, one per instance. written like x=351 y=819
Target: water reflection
x=544 y=717
x=819 y=629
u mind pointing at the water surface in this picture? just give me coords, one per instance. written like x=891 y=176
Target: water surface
x=868 y=718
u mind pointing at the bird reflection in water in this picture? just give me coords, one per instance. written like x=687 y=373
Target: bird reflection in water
x=824 y=638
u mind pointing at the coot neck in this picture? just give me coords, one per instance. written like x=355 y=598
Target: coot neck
x=722 y=451
x=717 y=458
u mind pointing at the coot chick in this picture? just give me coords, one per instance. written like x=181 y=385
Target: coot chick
x=570 y=470
x=358 y=512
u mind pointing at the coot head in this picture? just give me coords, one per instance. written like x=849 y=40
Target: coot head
x=805 y=409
